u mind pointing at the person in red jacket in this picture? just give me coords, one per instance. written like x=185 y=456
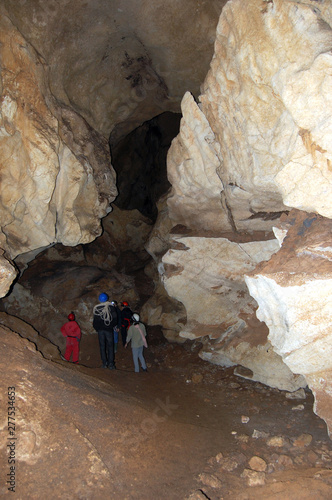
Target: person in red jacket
x=73 y=334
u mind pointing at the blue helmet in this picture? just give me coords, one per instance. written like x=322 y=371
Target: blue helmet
x=103 y=297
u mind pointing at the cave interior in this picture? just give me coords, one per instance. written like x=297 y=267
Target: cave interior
x=176 y=156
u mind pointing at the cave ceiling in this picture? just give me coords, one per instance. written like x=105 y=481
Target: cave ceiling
x=119 y=63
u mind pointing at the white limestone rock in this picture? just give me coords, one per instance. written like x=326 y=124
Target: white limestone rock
x=266 y=109
x=294 y=291
x=206 y=276
x=267 y=98
x=192 y=168
x=7 y=274
x=298 y=317
x=56 y=177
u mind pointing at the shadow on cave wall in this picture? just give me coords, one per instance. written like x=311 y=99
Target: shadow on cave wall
x=140 y=163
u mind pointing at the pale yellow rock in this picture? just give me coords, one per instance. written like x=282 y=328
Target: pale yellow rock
x=302 y=440
x=212 y=268
x=266 y=110
x=206 y=276
x=7 y=274
x=320 y=384
x=258 y=464
x=299 y=320
x=192 y=167
x=210 y=480
x=268 y=101
x=276 y=442
x=56 y=177
x=253 y=478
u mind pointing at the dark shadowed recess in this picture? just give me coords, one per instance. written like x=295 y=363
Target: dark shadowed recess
x=140 y=163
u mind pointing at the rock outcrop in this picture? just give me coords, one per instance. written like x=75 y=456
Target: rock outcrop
x=257 y=143
x=207 y=276
x=8 y=273
x=294 y=292
x=56 y=177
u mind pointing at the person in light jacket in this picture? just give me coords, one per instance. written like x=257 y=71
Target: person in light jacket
x=136 y=334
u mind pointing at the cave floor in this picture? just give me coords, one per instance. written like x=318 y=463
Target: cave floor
x=201 y=426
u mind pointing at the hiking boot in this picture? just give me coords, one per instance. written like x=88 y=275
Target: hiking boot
x=111 y=367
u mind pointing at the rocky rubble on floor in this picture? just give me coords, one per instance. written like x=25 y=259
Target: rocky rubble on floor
x=262 y=466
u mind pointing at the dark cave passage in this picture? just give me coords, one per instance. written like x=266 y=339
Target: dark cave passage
x=140 y=163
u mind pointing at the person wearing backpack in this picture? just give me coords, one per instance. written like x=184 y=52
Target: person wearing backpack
x=126 y=317
x=136 y=334
x=105 y=318
x=73 y=334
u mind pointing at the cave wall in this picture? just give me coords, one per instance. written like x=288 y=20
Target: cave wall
x=72 y=75
x=253 y=145
x=256 y=144
x=56 y=176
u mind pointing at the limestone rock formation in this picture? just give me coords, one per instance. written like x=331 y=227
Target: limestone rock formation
x=272 y=124
x=56 y=177
x=207 y=276
x=7 y=274
x=294 y=291
x=73 y=74
x=257 y=143
x=161 y=309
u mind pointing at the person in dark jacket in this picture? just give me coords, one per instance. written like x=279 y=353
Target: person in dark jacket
x=117 y=328
x=73 y=334
x=105 y=318
x=126 y=316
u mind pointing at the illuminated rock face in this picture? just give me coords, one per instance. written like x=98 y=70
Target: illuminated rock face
x=260 y=138
x=56 y=177
x=7 y=274
x=207 y=276
x=256 y=144
x=294 y=291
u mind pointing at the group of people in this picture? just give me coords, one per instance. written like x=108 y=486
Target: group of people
x=109 y=320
